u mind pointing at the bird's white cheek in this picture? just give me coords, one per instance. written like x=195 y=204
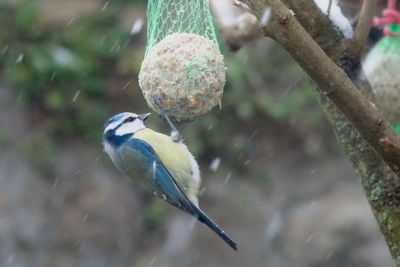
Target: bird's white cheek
x=130 y=127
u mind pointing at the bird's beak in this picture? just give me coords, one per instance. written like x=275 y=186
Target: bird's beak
x=144 y=116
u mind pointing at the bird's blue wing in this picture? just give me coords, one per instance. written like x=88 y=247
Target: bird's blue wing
x=166 y=188
x=164 y=184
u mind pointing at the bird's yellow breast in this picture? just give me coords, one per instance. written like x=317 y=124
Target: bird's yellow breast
x=176 y=158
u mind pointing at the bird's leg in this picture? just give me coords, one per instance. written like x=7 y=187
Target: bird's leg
x=175 y=135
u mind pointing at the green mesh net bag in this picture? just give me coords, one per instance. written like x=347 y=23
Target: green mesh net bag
x=183 y=72
x=382 y=68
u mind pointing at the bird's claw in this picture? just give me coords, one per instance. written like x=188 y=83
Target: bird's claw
x=176 y=136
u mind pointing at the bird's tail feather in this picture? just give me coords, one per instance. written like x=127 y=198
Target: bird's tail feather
x=202 y=217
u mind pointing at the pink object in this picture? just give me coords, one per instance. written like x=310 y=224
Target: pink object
x=390 y=15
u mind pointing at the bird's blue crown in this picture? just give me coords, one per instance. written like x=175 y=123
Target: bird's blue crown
x=113 y=119
x=110 y=135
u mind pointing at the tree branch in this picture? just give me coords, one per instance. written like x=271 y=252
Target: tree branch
x=381 y=185
x=334 y=83
x=357 y=43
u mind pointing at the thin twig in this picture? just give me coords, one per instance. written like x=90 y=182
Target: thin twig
x=329 y=7
x=241 y=5
x=358 y=41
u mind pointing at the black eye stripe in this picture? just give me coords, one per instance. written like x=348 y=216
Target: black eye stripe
x=130 y=119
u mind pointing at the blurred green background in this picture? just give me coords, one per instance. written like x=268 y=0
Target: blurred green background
x=282 y=189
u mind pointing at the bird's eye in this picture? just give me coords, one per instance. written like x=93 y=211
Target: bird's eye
x=130 y=119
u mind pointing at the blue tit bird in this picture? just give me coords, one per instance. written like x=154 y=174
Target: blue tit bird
x=162 y=163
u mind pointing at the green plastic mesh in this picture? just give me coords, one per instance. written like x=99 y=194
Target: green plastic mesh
x=165 y=17
x=386 y=45
x=183 y=72
x=396 y=128
x=382 y=68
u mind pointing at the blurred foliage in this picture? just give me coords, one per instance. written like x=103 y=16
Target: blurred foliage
x=72 y=75
x=5 y=139
x=54 y=68
x=155 y=213
x=40 y=149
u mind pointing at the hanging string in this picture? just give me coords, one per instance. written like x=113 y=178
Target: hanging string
x=390 y=15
